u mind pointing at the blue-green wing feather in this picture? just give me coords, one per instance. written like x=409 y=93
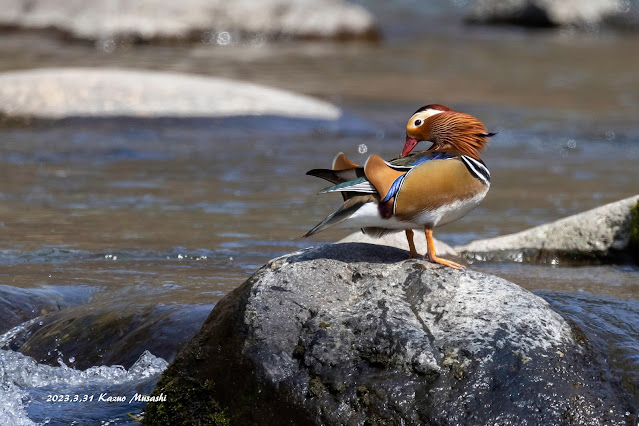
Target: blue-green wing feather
x=356 y=185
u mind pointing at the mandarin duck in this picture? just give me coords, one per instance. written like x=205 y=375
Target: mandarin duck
x=417 y=190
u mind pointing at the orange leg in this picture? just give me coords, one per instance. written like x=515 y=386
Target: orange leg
x=411 y=244
x=432 y=256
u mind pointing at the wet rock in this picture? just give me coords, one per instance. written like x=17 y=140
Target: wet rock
x=214 y=21
x=109 y=333
x=398 y=240
x=599 y=235
x=545 y=13
x=93 y=92
x=355 y=334
x=18 y=305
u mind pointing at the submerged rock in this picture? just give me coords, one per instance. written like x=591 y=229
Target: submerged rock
x=599 y=235
x=55 y=93
x=198 y=20
x=18 y=305
x=355 y=334
x=109 y=333
x=546 y=13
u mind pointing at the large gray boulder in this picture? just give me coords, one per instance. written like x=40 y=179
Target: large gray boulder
x=580 y=13
x=355 y=334
x=606 y=233
x=55 y=93
x=216 y=21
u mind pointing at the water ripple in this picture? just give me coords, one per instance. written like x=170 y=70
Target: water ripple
x=610 y=324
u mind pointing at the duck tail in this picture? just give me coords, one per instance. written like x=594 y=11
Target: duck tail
x=345 y=211
x=337 y=176
x=326 y=174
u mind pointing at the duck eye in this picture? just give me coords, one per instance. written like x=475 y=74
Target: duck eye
x=418 y=122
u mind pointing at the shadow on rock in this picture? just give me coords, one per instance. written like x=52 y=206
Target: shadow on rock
x=350 y=253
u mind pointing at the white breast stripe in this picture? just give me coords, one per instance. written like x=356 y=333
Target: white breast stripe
x=398 y=168
x=477 y=169
x=481 y=166
x=400 y=188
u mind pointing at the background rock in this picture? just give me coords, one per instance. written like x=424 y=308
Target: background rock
x=88 y=92
x=545 y=13
x=352 y=334
x=602 y=234
x=191 y=19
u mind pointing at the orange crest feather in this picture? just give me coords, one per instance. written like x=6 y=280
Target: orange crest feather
x=457 y=131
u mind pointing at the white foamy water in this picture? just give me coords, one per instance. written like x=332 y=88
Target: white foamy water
x=33 y=393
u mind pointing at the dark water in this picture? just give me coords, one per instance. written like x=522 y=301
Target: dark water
x=127 y=213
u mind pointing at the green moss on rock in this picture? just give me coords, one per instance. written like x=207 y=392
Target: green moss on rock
x=188 y=401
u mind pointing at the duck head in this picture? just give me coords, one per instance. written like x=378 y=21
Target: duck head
x=447 y=130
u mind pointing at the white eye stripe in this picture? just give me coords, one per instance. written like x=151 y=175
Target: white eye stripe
x=426 y=113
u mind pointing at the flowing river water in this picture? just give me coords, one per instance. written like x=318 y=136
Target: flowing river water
x=136 y=218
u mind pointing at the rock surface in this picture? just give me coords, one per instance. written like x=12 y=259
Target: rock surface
x=598 y=235
x=546 y=13
x=398 y=240
x=191 y=19
x=354 y=334
x=92 y=92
